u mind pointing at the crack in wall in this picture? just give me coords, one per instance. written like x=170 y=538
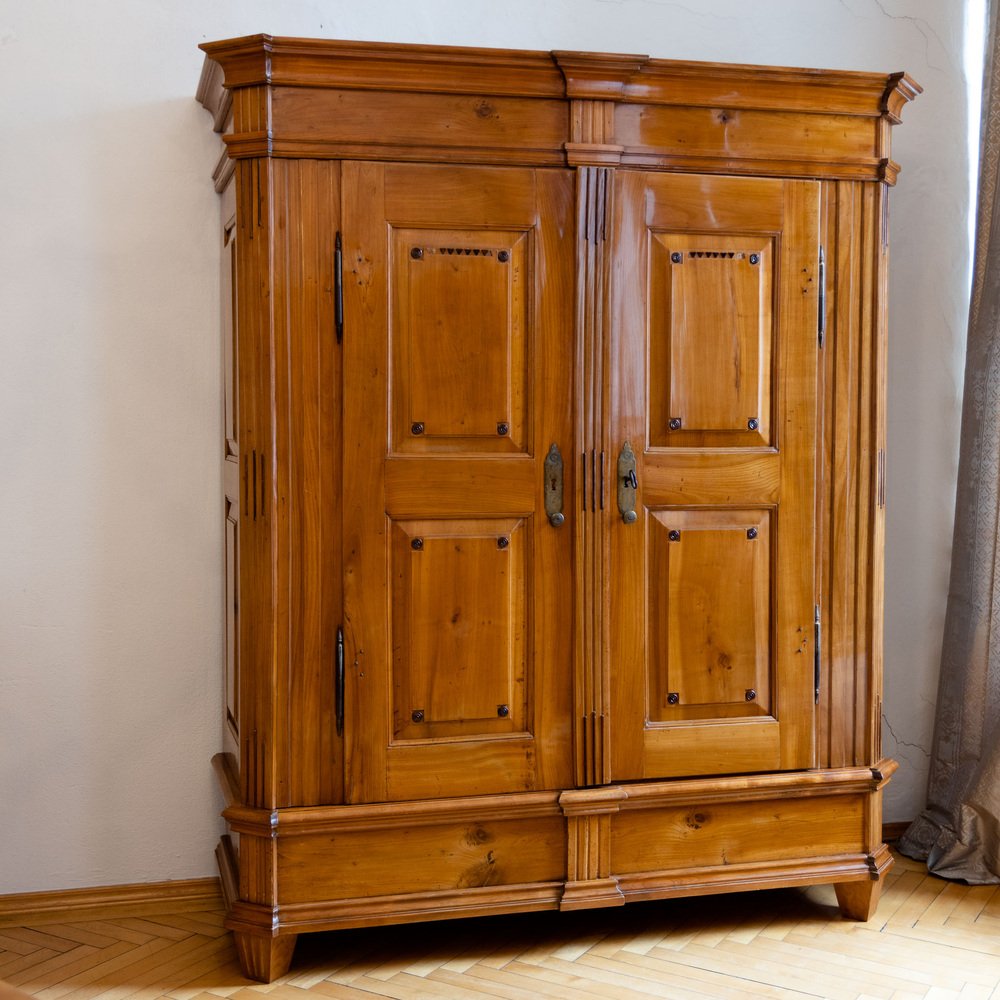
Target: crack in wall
x=903 y=743
x=919 y=23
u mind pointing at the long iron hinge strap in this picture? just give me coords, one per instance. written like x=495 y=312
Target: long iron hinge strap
x=816 y=653
x=821 y=318
x=338 y=288
x=340 y=682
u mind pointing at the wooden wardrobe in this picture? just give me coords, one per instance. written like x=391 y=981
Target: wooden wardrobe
x=554 y=481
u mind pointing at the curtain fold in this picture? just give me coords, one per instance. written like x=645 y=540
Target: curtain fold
x=959 y=831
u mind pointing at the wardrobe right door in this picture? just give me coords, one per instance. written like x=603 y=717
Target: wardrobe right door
x=712 y=426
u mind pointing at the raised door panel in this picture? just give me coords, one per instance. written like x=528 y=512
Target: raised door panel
x=460 y=305
x=713 y=386
x=458 y=605
x=710 y=340
x=709 y=621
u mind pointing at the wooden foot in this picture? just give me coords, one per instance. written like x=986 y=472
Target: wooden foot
x=264 y=958
x=859 y=900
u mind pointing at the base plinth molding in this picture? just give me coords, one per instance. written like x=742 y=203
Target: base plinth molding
x=591 y=894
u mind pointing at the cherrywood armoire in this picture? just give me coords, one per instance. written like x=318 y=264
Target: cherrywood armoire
x=554 y=481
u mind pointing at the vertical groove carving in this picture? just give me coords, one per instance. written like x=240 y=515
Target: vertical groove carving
x=594 y=203
x=592 y=122
x=589 y=814
x=254 y=318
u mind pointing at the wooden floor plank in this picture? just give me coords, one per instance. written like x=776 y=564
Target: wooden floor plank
x=192 y=922
x=566 y=975
x=962 y=938
x=222 y=980
x=942 y=966
x=117 y=930
x=54 y=969
x=971 y=992
x=341 y=992
x=52 y=973
x=156 y=926
x=211 y=968
x=16 y=945
x=917 y=903
x=402 y=990
x=503 y=984
x=81 y=935
x=974 y=899
x=944 y=905
x=894 y=897
x=763 y=969
x=115 y=970
x=160 y=970
x=19 y=963
x=692 y=977
x=992 y=907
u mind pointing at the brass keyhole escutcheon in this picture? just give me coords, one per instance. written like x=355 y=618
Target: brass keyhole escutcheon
x=628 y=484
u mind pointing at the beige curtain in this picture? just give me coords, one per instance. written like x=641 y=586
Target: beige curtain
x=959 y=831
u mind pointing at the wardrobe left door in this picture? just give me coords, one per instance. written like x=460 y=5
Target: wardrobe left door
x=458 y=403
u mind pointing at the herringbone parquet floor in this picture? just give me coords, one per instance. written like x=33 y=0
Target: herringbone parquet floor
x=930 y=939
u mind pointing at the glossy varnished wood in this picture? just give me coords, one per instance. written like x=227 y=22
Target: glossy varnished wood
x=572 y=249
x=416 y=102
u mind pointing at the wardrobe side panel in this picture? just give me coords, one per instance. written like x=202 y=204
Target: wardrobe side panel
x=256 y=531
x=851 y=504
x=230 y=476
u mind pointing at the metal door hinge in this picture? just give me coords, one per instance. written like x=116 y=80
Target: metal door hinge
x=338 y=288
x=339 y=683
x=821 y=318
x=817 y=636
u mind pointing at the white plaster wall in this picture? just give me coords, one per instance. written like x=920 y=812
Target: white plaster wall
x=110 y=572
